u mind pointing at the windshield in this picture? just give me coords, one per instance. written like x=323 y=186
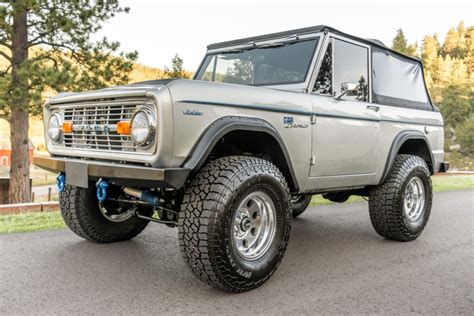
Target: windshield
x=271 y=64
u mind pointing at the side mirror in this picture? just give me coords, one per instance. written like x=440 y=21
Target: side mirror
x=349 y=89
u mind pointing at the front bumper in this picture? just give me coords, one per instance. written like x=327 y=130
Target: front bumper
x=79 y=172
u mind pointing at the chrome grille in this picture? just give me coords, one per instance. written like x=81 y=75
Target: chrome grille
x=95 y=124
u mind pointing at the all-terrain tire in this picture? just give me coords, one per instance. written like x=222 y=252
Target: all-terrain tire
x=299 y=204
x=387 y=201
x=80 y=211
x=206 y=222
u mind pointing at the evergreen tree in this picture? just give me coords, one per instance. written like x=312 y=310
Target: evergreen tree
x=399 y=42
x=429 y=55
x=457 y=104
x=412 y=50
x=46 y=45
x=465 y=135
x=470 y=52
x=450 y=43
x=461 y=49
x=177 y=70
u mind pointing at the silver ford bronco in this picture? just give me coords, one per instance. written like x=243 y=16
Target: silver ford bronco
x=230 y=157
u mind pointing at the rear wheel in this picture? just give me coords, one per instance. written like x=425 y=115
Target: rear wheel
x=401 y=206
x=235 y=222
x=299 y=204
x=102 y=224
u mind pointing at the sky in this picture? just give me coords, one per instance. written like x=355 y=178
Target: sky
x=159 y=29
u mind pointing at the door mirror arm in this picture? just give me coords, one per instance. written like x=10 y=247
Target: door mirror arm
x=340 y=95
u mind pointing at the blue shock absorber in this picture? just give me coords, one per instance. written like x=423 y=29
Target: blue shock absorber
x=102 y=186
x=61 y=181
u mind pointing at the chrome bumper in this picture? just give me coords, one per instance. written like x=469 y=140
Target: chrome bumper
x=79 y=172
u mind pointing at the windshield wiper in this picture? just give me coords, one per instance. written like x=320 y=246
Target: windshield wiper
x=273 y=45
x=264 y=46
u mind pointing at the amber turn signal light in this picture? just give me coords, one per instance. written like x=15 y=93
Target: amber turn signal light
x=123 y=128
x=67 y=127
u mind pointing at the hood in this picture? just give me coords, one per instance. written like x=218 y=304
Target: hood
x=137 y=89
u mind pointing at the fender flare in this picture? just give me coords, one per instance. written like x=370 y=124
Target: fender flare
x=219 y=128
x=397 y=143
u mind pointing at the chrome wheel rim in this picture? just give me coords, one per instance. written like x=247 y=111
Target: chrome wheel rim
x=117 y=218
x=414 y=199
x=254 y=225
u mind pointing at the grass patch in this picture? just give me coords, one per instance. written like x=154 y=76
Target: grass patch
x=29 y=222
x=318 y=200
x=450 y=183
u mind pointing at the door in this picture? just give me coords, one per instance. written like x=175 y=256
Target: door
x=346 y=125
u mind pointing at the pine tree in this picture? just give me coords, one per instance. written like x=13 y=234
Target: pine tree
x=445 y=69
x=412 y=50
x=399 y=42
x=458 y=72
x=457 y=104
x=465 y=135
x=429 y=55
x=47 y=47
x=450 y=43
x=470 y=52
x=177 y=70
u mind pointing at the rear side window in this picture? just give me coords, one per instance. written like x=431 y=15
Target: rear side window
x=398 y=81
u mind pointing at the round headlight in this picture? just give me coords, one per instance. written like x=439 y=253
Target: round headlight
x=143 y=128
x=55 y=126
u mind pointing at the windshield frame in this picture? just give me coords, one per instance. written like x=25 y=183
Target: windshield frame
x=300 y=85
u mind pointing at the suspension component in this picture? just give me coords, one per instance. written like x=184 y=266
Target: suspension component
x=159 y=221
x=146 y=196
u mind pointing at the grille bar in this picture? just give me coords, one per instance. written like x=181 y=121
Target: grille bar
x=94 y=124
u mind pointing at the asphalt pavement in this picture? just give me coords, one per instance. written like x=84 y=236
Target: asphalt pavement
x=335 y=263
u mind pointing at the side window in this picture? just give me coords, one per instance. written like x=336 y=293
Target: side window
x=323 y=84
x=351 y=71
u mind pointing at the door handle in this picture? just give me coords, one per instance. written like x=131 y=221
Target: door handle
x=374 y=108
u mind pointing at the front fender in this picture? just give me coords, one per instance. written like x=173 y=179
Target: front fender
x=219 y=128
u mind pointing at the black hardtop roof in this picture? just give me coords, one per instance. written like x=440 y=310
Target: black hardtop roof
x=306 y=30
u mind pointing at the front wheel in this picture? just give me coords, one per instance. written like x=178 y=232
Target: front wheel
x=401 y=206
x=235 y=222
x=102 y=224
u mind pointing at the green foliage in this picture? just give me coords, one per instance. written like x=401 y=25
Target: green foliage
x=465 y=135
x=400 y=44
x=177 y=70
x=60 y=53
x=457 y=104
x=449 y=73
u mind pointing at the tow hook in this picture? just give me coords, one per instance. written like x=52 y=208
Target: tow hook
x=61 y=182
x=102 y=186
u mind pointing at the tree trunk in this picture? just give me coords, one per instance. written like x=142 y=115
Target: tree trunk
x=19 y=190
